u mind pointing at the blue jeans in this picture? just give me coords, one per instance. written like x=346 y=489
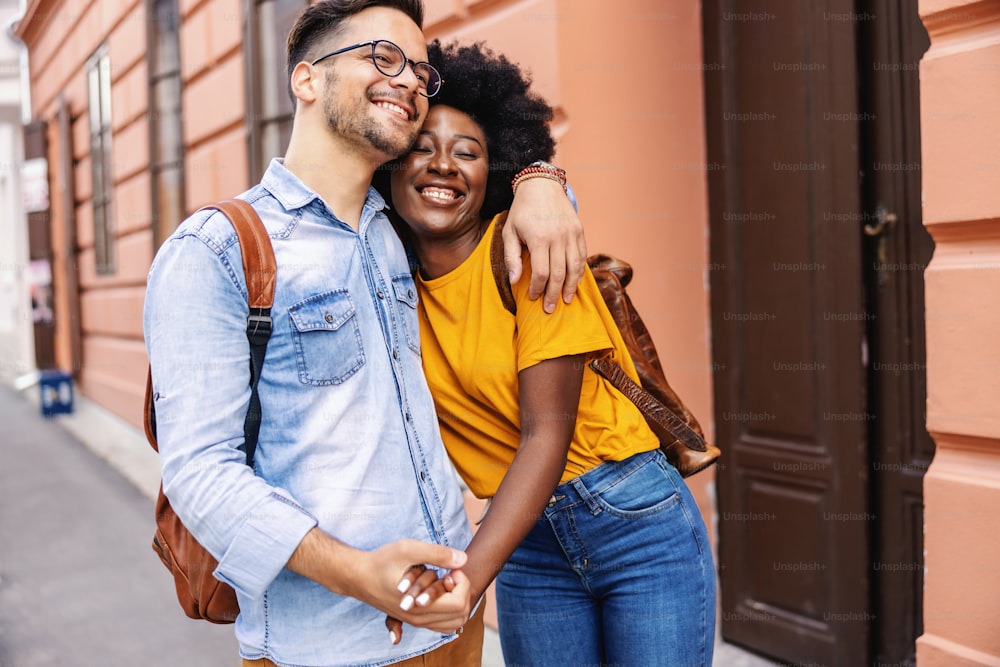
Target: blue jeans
x=618 y=571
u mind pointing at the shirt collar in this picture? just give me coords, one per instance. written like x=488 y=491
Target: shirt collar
x=294 y=194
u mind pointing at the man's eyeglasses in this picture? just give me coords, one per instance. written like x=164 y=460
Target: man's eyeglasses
x=390 y=60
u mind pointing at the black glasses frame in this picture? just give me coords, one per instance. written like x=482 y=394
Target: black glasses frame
x=413 y=65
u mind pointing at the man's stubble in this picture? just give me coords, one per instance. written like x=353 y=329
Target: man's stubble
x=357 y=125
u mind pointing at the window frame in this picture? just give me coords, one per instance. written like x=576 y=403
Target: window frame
x=100 y=135
x=268 y=129
x=168 y=199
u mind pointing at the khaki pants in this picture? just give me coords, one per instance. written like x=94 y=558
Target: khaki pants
x=466 y=651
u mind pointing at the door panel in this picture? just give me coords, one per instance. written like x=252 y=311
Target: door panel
x=895 y=260
x=789 y=325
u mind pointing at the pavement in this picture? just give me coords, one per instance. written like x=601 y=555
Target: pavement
x=79 y=582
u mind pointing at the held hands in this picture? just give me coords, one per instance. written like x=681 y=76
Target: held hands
x=546 y=221
x=421 y=589
x=373 y=577
x=442 y=607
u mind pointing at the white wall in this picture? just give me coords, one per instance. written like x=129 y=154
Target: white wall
x=16 y=332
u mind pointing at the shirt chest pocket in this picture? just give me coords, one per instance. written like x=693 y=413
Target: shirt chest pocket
x=328 y=347
x=406 y=295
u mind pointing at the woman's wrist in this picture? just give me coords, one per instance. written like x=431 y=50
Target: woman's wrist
x=539 y=169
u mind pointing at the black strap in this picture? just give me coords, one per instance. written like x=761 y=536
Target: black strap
x=258 y=333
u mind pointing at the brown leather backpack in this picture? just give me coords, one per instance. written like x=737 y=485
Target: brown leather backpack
x=681 y=437
x=199 y=593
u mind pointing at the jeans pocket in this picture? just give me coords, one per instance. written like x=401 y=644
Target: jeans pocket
x=406 y=295
x=641 y=492
x=327 y=338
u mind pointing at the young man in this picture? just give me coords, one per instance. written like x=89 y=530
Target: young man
x=352 y=483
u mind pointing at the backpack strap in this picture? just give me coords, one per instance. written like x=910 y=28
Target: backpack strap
x=667 y=425
x=260 y=270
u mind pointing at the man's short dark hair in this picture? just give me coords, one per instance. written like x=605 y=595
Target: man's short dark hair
x=495 y=93
x=326 y=18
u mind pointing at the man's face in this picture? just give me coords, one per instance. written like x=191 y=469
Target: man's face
x=376 y=113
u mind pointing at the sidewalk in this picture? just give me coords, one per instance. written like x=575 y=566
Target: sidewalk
x=79 y=583
x=80 y=520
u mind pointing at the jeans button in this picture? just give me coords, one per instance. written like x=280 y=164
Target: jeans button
x=552 y=502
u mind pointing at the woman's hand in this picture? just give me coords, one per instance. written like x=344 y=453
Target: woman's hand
x=373 y=577
x=420 y=587
x=543 y=218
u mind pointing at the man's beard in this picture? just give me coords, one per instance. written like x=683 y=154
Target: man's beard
x=358 y=126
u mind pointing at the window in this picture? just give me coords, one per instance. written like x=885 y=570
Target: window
x=166 y=135
x=99 y=110
x=269 y=117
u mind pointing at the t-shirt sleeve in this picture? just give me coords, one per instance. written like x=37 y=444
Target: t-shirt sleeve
x=574 y=328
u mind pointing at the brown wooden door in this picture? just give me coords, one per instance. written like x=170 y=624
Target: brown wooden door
x=40 y=250
x=789 y=328
x=897 y=251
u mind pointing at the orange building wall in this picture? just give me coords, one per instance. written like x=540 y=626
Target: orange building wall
x=632 y=85
x=960 y=95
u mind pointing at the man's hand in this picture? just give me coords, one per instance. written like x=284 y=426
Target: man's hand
x=543 y=217
x=373 y=576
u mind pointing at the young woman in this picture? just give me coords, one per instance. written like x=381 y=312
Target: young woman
x=599 y=551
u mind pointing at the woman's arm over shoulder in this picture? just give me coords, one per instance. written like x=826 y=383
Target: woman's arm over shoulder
x=545 y=220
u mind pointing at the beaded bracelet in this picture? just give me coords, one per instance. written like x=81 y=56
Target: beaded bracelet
x=539 y=170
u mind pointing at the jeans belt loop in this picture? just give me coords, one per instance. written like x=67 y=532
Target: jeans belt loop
x=581 y=488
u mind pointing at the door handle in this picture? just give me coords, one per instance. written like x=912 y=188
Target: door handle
x=884 y=221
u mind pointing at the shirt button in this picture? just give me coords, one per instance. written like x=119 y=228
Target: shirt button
x=409 y=417
x=328 y=317
x=409 y=293
x=380 y=294
x=395 y=353
x=423 y=477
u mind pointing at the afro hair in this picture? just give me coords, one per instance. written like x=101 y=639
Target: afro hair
x=494 y=92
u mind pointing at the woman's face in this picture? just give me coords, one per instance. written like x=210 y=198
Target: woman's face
x=439 y=186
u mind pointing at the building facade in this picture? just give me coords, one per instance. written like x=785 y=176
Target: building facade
x=960 y=84
x=718 y=150
x=16 y=314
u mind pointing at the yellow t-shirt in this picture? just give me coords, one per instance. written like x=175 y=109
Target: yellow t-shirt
x=473 y=349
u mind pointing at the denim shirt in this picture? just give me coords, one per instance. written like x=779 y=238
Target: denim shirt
x=349 y=438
